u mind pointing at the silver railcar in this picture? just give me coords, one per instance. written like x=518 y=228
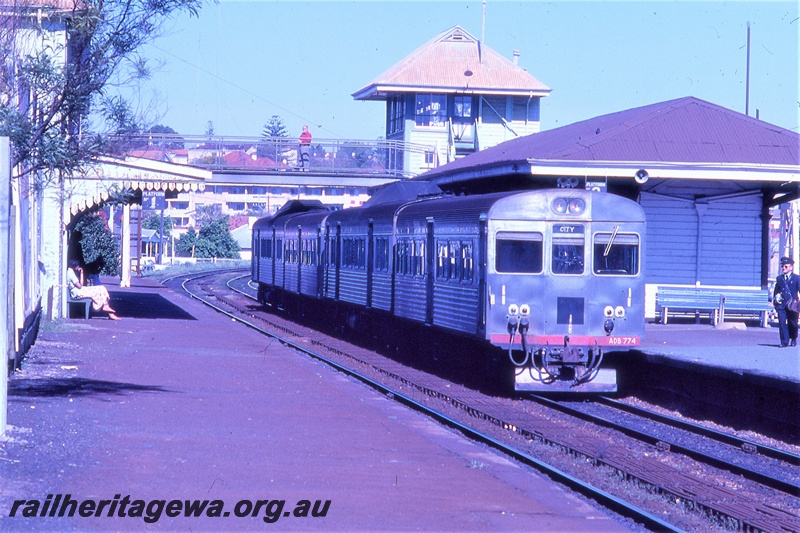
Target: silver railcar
x=553 y=277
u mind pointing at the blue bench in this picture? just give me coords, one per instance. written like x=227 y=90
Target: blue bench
x=718 y=303
x=86 y=302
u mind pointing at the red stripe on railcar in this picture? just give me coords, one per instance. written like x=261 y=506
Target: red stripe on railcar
x=575 y=340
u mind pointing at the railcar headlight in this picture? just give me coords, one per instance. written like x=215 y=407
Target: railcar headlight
x=513 y=310
x=524 y=309
x=560 y=206
x=576 y=206
x=608 y=326
x=619 y=311
x=608 y=311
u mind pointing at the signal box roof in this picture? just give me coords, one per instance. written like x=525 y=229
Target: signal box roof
x=454 y=62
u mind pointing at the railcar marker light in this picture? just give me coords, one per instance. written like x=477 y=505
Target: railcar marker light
x=524 y=310
x=608 y=311
x=619 y=311
x=577 y=206
x=560 y=206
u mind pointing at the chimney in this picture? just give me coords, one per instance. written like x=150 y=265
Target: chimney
x=516 y=57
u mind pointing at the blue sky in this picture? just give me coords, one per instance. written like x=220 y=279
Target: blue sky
x=242 y=62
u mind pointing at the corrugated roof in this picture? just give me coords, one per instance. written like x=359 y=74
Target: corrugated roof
x=685 y=130
x=454 y=61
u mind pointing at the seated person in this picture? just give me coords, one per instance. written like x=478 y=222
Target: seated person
x=97 y=293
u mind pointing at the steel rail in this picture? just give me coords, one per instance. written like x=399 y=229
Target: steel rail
x=607 y=500
x=763 y=479
x=725 y=438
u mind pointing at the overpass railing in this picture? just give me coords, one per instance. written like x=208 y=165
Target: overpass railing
x=273 y=154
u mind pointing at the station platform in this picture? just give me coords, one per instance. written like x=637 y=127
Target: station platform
x=175 y=404
x=732 y=346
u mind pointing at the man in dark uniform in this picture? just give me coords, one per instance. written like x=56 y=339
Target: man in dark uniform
x=787 y=289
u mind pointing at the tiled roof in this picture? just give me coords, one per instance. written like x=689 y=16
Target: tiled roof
x=685 y=130
x=59 y=5
x=454 y=61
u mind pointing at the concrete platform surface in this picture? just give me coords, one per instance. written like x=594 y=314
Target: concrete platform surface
x=733 y=345
x=175 y=403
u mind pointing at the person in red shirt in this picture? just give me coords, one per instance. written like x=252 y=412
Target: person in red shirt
x=305 y=145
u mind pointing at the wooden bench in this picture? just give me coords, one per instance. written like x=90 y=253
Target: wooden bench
x=86 y=302
x=718 y=303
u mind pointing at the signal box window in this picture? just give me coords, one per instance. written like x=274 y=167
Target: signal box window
x=519 y=253
x=616 y=254
x=431 y=110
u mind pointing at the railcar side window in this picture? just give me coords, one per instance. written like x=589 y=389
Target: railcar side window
x=279 y=249
x=568 y=254
x=354 y=253
x=266 y=248
x=616 y=254
x=518 y=253
x=382 y=254
x=410 y=260
x=454 y=260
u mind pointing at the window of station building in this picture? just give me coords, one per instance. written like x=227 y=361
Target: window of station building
x=454 y=260
x=568 y=252
x=431 y=110
x=616 y=254
x=410 y=260
x=235 y=206
x=173 y=204
x=395 y=114
x=259 y=190
x=519 y=252
x=381 y=254
x=354 y=253
x=462 y=106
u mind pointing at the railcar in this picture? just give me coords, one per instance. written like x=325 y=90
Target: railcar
x=552 y=277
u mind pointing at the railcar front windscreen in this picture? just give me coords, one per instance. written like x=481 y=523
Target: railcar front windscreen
x=519 y=253
x=616 y=254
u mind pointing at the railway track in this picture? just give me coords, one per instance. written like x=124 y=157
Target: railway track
x=561 y=438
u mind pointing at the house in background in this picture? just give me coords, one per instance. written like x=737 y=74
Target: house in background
x=457 y=95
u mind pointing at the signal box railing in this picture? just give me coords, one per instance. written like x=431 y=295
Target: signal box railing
x=273 y=154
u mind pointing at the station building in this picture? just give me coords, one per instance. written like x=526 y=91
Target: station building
x=720 y=189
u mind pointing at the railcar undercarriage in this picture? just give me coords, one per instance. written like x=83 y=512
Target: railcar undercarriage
x=565 y=368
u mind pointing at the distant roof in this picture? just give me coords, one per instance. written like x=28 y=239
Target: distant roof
x=685 y=130
x=59 y=5
x=454 y=61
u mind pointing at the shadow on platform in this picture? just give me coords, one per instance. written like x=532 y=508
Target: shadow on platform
x=53 y=387
x=144 y=305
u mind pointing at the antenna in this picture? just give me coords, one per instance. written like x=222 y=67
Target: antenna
x=747 y=80
x=483 y=22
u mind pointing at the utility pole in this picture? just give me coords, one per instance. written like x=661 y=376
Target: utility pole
x=747 y=80
x=6 y=340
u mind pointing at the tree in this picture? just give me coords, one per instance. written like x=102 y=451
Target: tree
x=275 y=127
x=153 y=221
x=48 y=91
x=206 y=214
x=184 y=246
x=214 y=240
x=272 y=146
x=98 y=245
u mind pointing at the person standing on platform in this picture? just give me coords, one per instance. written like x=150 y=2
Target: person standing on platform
x=305 y=146
x=97 y=293
x=786 y=297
